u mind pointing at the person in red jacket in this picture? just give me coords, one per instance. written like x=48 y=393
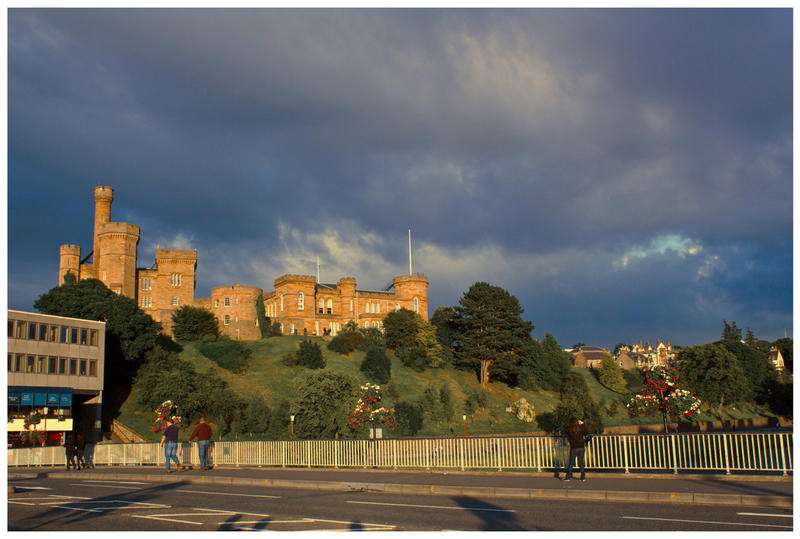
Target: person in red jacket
x=203 y=434
x=577 y=437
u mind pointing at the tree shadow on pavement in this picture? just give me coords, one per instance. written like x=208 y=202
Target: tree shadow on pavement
x=494 y=517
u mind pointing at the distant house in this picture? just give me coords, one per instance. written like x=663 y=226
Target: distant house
x=629 y=360
x=589 y=356
x=776 y=358
x=646 y=355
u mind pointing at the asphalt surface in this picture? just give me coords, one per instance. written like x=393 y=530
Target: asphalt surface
x=91 y=504
x=763 y=491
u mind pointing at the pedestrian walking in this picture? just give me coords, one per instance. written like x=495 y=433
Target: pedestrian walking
x=577 y=438
x=71 y=448
x=80 y=446
x=203 y=434
x=169 y=441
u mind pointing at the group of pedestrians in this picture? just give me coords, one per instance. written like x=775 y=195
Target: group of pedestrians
x=169 y=441
x=75 y=447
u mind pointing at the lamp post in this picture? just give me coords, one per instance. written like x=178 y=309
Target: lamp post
x=291 y=420
x=464 y=417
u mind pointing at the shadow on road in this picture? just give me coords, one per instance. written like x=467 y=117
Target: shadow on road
x=494 y=517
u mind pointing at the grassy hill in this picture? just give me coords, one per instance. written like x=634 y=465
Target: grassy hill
x=268 y=377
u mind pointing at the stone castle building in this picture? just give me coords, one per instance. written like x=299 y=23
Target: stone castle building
x=299 y=303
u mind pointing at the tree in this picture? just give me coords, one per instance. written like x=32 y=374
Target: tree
x=757 y=368
x=409 y=417
x=612 y=375
x=261 y=316
x=190 y=323
x=255 y=419
x=714 y=374
x=347 y=340
x=324 y=402
x=731 y=332
x=574 y=401
x=491 y=329
x=660 y=393
x=377 y=366
x=546 y=364
x=444 y=319
x=413 y=339
x=310 y=355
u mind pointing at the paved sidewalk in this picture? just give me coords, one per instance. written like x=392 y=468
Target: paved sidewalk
x=768 y=491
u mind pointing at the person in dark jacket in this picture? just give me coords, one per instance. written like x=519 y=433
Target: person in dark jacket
x=203 y=434
x=577 y=438
x=71 y=448
x=80 y=445
x=169 y=441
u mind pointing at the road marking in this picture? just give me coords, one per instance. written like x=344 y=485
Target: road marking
x=109 y=481
x=364 y=526
x=77 y=509
x=104 y=486
x=435 y=506
x=32 y=488
x=204 y=512
x=227 y=493
x=764 y=515
x=709 y=522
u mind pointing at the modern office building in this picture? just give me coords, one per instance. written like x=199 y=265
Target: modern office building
x=55 y=371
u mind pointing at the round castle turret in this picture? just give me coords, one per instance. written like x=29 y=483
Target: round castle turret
x=69 y=261
x=240 y=310
x=408 y=288
x=103 y=197
x=116 y=265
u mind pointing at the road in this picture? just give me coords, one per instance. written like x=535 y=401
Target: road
x=115 y=505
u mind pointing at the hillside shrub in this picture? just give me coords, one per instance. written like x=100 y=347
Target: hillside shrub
x=377 y=366
x=475 y=401
x=409 y=417
x=310 y=355
x=229 y=354
x=190 y=323
x=255 y=418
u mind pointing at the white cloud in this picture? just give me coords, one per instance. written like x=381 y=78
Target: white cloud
x=674 y=244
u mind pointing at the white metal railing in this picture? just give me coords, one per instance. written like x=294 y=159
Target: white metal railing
x=764 y=452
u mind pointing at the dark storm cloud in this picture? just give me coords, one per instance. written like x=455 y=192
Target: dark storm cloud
x=530 y=133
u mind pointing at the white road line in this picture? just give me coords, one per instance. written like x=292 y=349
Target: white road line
x=709 y=522
x=156 y=517
x=764 y=515
x=435 y=506
x=104 y=486
x=109 y=481
x=20 y=503
x=77 y=509
x=226 y=493
x=32 y=488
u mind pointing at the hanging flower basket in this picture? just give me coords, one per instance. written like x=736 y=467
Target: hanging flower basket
x=167 y=410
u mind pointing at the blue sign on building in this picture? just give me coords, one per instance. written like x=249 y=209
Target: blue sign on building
x=26 y=399
x=13 y=398
x=66 y=400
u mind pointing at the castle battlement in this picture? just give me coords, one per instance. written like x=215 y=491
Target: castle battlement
x=292 y=278
x=176 y=254
x=111 y=227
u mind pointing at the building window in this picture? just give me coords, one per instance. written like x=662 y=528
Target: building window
x=42 y=332
x=147 y=284
x=300 y=306
x=20 y=329
x=227 y=302
x=53 y=337
x=227 y=319
x=51 y=365
x=40 y=364
x=73 y=337
x=62 y=365
x=416 y=305
x=64 y=334
x=330 y=306
x=396 y=307
x=351 y=305
x=321 y=305
x=105 y=277
x=29 y=363
x=175 y=300
x=216 y=303
x=82 y=371
x=19 y=363
x=281 y=302
x=366 y=324
x=147 y=301
x=92 y=367
x=10 y=328
x=378 y=307
x=175 y=279
x=32 y=331
x=73 y=367
x=84 y=337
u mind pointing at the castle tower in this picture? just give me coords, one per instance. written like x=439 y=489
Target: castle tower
x=235 y=309
x=103 y=197
x=411 y=292
x=116 y=265
x=69 y=260
x=347 y=291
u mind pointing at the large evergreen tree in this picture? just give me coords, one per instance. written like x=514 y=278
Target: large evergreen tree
x=492 y=331
x=713 y=374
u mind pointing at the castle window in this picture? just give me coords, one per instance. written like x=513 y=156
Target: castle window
x=227 y=302
x=300 y=305
x=175 y=300
x=396 y=306
x=330 y=306
x=175 y=279
x=416 y=305
x=351 y=305
x=321 y=305
x=147 y=301
x=105 y=277
x=366 y=324
x=227 y=319
x=216 y=303
x=147 y=284
x=378 y=307
x=281 y=302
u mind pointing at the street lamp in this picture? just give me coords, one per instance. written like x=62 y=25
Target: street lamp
x=291 y=419
x=464 y=417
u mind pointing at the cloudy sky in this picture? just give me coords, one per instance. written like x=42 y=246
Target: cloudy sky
x=626 y=174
